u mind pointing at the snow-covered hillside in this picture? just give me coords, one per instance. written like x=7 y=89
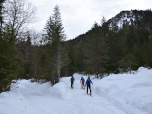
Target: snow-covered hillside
x=115 y=94
x=126 y=18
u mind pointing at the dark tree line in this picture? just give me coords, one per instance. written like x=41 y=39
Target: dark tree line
x=106 y=48
x=22 y=56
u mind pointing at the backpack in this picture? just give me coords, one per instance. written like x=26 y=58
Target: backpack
x=83 y=80
x=72 y=79
x=88 y=82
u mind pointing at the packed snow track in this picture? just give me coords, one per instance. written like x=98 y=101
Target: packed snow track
x=115 y=94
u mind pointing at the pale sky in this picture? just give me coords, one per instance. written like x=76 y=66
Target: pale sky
x=78 y=16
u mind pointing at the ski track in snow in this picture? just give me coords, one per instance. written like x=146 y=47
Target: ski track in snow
x=75 y=101
x=61 y=99
x=83 y=104
x=121 y=106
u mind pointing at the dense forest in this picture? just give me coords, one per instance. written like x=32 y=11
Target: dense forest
x=111 y=46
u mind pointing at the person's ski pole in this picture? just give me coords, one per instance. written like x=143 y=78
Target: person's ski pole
x=80 y=85
x=92 y=88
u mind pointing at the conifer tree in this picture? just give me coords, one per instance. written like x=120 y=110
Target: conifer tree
x=96 y=52
x=128 y=63
x=57 y=55
x=9 y=59
x=1 y=40
x=115 y=42
x=149 y=54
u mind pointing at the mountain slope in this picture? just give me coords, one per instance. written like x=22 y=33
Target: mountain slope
x=133 y=17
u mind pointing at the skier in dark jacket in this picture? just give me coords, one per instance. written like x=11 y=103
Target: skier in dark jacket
x=88 y=82
x=72 y=81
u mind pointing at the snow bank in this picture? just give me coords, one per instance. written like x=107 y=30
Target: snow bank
x=116 y=94
x=133 y=90
x=26 y=88
x=59 y=90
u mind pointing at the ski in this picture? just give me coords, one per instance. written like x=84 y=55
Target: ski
x=89 y=94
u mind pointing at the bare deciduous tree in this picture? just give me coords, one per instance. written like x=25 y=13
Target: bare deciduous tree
x=19 y=13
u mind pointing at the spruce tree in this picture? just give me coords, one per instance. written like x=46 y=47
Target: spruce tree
x=1 y=40
x=128 y=63
x=115 y=42
x=96 y=51
x=9 y=59
x=57 y=55
x=149 y=54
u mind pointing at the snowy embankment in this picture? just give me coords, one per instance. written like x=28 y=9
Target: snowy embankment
x=128 y=91
x=115 y=94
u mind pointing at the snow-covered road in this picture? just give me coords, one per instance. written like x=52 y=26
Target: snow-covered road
x=85 y=104
x=116 y=94
x=65 y=100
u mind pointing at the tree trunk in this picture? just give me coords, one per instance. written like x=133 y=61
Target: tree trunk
x=96 y=60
